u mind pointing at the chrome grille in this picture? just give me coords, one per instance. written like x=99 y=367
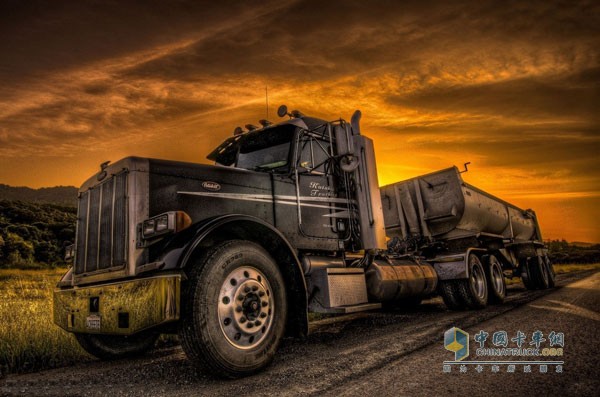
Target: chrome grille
x=102 y=226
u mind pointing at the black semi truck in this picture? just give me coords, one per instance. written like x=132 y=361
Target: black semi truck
x=290 y=220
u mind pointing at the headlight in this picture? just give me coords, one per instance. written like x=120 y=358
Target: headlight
x=162 y=224
x=149 y=227
x=169 y=222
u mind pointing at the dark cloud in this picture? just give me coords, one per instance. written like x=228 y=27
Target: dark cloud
x=530 y=98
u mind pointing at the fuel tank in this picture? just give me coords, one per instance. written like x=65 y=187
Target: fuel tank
x=397 y=279
x=441 y=205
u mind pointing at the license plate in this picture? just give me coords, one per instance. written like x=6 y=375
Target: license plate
x=93 y=322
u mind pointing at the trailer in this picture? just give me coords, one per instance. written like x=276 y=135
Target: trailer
x=290 y=220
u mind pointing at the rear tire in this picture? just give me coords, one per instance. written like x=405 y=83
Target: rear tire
x=528 y=275
x=450 y=295
x=474 y=290
x=233 y=309
x=496 y=282
x=112 y=347
x=539 y=272
x=551 y=273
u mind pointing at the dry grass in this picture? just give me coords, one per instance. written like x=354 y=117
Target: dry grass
x=568 y=268
x=29 y=339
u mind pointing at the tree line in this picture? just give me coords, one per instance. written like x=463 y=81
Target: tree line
x=560 y=251
x=35 y=234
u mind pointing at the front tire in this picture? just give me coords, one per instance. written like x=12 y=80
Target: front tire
x=234 y=309
x=112 y=347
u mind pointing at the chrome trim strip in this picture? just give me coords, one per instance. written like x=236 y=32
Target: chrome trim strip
x=265 y=198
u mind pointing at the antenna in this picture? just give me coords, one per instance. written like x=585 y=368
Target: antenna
x=267 y=100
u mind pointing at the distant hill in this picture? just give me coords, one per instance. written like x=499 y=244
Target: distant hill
x=60 y=195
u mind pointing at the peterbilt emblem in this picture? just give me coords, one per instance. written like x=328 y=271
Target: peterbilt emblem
x=103 y=173
x=212 y=186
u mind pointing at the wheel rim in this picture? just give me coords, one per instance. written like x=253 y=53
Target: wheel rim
x=498 y=279
x=245 y=307
x=478 y=281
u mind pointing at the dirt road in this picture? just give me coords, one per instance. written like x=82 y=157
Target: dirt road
x=392 y=353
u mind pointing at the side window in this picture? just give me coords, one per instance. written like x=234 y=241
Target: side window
x=266 y=150
x=314 y=155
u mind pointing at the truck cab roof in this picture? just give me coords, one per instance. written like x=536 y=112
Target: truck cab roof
x=226 y=152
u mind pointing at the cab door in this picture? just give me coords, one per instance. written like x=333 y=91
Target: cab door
x=320 y=209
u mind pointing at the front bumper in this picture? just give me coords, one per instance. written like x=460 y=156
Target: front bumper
x=121 y=308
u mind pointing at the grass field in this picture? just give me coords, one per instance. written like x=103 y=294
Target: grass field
x=30 y=341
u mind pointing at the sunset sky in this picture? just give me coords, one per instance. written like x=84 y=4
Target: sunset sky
x=511 y=86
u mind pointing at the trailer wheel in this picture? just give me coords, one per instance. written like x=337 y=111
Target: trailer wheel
x=111 y=347
x=474 y=290
x=234 y=309
x=528 y=275
x=496 y=282
x=542 y=272
x=551 y=273
x=538 y=273
x=450 y=295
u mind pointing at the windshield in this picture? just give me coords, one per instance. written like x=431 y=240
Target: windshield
x=267 y=150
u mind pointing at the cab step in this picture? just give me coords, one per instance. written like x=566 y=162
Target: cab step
x=339 y=290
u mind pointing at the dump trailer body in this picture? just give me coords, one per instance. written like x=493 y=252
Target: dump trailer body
x=441 y=206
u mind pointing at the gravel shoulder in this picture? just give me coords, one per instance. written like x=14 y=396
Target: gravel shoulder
x=382 y=353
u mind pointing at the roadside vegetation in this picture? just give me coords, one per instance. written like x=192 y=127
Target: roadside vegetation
x=34 y=235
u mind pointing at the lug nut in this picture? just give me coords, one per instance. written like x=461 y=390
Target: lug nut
x=264 y=304
x=257 y=323
x=246 y=289
x=255 y=288
x=250 y=325
x=241 y=297
x=263 y=315
x=239 y=309
x=242 y=320
x=261 y=293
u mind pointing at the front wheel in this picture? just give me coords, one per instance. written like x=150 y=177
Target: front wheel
x=234 y=309
x=111 y=347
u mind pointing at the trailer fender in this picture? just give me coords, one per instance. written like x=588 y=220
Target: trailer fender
x=245 y=227
x=454 y=266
